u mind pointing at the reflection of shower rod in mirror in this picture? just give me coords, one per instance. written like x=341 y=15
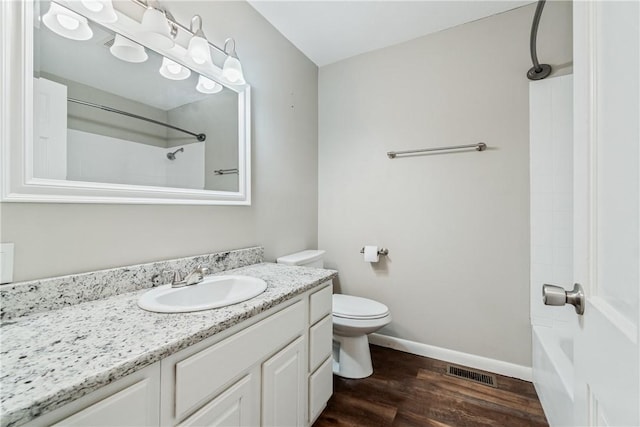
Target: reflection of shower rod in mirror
x=225 y=171
x=199 y=136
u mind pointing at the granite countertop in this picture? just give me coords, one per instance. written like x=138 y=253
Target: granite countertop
x=51 y=358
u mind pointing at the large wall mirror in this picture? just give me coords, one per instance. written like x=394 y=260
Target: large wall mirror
x=112 y=115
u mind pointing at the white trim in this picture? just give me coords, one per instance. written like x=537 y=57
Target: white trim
x=452 y=356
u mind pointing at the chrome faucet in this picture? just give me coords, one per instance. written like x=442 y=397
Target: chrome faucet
x=196 y=276
x=193 y=278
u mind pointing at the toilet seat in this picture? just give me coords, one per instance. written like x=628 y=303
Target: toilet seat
x=351 y=307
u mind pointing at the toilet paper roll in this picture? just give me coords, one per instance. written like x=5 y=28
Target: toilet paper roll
x=371 y=254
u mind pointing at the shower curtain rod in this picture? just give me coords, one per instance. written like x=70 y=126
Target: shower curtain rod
x=199 y=136
x=538 y=71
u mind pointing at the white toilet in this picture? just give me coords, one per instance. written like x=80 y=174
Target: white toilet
x=353 y=319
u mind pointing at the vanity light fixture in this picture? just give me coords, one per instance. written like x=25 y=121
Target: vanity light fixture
x=99 y=10
x=67 y=23
x=128 y=50
x=208 y=86
x=158 y=30
x=232 y=69
x=173 y=71
x=198 y=48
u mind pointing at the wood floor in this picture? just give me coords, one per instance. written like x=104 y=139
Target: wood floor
x=409 y=390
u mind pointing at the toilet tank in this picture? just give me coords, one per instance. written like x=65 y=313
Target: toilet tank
x=308 y=258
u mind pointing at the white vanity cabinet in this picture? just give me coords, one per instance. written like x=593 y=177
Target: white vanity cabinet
x=199 y=374
x=273 y=369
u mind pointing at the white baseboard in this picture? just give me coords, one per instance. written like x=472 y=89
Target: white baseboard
x=452 y=356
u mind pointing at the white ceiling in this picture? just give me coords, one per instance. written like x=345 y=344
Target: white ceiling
x=329 y=31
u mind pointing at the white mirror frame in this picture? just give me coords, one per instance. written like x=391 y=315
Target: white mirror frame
x=17 y=183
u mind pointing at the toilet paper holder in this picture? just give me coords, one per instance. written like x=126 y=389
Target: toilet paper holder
x=381 y=251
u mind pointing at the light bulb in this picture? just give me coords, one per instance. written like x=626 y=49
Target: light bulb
x=93 y=5
x=99 y=10
x=173 y=71
x=208 y=86
x=157 y=29
x=174 y=68
x=232 y=70
x=198 y=50
x=68 y=22
x=127 y=50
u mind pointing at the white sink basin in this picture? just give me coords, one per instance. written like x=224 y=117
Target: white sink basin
x=213 y=292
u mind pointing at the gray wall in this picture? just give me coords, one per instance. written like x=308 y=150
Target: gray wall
x=456 y=225
x=55 y=239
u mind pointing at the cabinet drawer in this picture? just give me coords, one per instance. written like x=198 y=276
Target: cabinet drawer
x=320 y=342
x=320 y=304
x=198 y=378
x=320 y=388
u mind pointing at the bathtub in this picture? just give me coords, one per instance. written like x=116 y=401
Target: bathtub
x=553 y=373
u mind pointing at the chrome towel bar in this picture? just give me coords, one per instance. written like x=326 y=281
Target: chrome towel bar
x=480 y=146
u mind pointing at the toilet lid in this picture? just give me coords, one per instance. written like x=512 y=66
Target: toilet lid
x=352 y=307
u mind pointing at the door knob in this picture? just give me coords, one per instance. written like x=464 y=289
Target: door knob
x=556 y=295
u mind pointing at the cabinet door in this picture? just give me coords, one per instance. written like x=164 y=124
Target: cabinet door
x=238 y=406
x=284 y=393
x=135 y=405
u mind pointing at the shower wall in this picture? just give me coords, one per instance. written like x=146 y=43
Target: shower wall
x=98 y=158
x=551 y=181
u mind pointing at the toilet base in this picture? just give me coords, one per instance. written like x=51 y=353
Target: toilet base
x=351 y=357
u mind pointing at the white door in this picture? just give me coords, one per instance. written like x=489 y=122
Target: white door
x=50 y=130
x=606 y=211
